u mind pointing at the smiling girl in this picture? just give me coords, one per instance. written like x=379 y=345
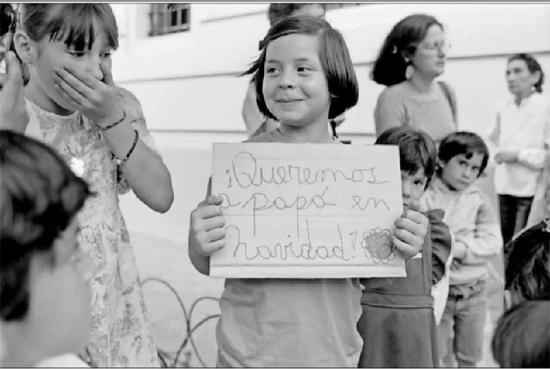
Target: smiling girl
x=304 y=77
x=99 y=129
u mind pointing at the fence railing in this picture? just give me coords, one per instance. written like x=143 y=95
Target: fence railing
x=179 y=358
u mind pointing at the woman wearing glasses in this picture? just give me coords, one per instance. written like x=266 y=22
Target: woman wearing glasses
x=412 y=56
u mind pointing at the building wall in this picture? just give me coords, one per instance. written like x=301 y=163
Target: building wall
x=191 y=95
x=188 y=82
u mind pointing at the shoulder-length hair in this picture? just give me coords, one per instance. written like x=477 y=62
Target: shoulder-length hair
x=72 y=23
x=390 y=65
x=333 y=55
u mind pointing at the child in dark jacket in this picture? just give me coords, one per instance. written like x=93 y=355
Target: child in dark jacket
x=398 y=323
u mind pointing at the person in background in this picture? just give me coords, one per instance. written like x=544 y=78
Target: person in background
x=462 y=158
x=99 y=129
x=257 y=123
x=519 y=133
x=44 y=273
x=540 y=208
x=412 y=56
x=398 y=323
x=527 y=275
x=522 y=335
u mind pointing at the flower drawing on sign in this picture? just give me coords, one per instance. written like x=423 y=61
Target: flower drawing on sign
x=378 y=244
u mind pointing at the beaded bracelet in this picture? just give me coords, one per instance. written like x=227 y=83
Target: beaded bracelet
x=109 y=126
x=125 y=159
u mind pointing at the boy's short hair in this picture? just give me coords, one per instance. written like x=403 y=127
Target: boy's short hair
x=522 y=336
x=333 y=55
x=528 y=268
x=466 y=143
x=278 y=11
x=416 y=149
x=39 y=196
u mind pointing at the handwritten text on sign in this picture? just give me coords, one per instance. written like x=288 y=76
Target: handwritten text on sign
x=307 y=210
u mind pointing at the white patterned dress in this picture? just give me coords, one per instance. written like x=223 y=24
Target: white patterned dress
x=120 y=334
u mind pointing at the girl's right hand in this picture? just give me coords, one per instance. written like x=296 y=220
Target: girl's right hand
x=206 y=232
x=96 y=100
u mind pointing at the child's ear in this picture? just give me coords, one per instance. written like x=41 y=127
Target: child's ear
x=439 y=166
x=25 y=47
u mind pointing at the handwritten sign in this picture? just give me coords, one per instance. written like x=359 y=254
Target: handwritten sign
x=307 y=210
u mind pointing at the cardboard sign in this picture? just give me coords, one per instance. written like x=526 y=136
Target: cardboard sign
x=307 y=210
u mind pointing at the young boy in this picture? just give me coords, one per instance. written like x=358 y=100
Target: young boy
x=44 y=276
x=398 y=323
x=462 y=158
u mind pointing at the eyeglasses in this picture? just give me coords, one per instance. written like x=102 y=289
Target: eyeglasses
x=436 y=46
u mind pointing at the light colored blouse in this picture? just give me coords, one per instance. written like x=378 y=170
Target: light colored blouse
x=523 y=128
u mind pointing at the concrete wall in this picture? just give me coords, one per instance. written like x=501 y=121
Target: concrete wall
x=187 y=81
x=191 y=97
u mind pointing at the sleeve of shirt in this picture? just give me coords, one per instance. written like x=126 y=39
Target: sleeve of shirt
x=441 y=243
x=388 y=112
x=486 y=241
x=536 y=158
x=134 y=113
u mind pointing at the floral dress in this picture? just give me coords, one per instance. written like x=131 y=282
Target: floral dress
x=120 y=334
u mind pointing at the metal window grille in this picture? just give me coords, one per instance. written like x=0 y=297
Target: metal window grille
x=169 y=18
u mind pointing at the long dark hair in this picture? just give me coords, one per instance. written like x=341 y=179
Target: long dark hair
x=390 y=65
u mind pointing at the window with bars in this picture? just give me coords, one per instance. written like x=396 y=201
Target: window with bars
x=169 y=18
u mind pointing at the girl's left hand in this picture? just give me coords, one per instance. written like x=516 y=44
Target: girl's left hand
x=96 y=100
x=410 y=232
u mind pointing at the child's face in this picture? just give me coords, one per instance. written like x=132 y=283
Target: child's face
x=55 y=54
x=295 y=87
x=412 y=186
x=460 y=172
x=59 y=309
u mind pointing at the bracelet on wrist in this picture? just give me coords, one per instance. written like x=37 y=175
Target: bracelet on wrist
x=118 y=161
x=109 y=126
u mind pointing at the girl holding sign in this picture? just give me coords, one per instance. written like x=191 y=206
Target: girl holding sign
x=304 y=77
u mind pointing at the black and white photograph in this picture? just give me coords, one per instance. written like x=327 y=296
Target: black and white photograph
x=254 y=184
